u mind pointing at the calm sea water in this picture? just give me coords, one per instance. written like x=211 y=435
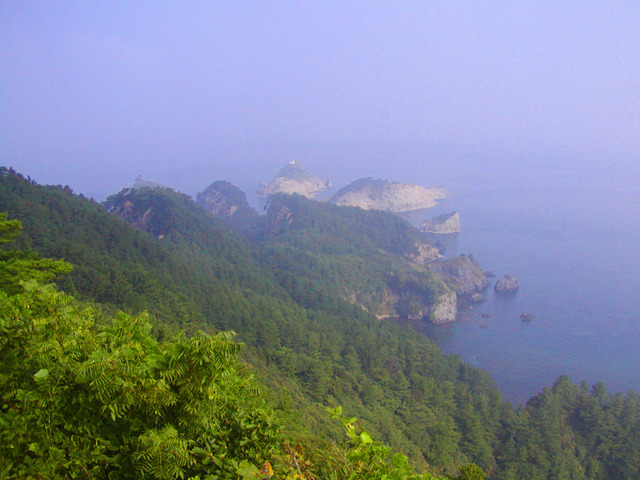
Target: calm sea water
x=572 y=238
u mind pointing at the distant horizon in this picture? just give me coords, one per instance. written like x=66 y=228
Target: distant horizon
x=246 y=174
x=92 y=95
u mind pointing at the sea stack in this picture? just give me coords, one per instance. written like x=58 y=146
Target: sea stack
x=507 y=284
x=442 y=224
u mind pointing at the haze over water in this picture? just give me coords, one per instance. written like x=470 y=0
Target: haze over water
x=571 y=238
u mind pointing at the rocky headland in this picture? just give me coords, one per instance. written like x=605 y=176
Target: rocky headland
x=293 y=178
x=463 y=272
x=370 y=193
x=442 y=224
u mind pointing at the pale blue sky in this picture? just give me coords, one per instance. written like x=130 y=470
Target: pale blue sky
x=94 y=93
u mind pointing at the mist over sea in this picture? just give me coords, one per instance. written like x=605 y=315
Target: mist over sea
x=571 y=236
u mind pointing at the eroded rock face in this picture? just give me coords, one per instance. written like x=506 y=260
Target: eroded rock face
x=444 y=310
x=442 y=224
x=225 y=201
x=464 y=272
x=507 y=284
x=417 y=295
x=369 y=193
x=278 y=215
x=127 y=211
x=424 y=254
x=293 y=178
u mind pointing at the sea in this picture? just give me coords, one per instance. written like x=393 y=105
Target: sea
x=565 y=223
x=570 y=234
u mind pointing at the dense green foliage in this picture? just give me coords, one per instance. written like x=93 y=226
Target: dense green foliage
x=573 y=432
x=287 y=294
x=17 y=264
x=85 y=400
x=322 y=251
x=85 y=396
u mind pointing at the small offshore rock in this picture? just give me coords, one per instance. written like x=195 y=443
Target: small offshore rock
x=478 y=298
x=527 y=317
x=442 y=224
x=507 y=284
x=486 y=315
x=489 y=274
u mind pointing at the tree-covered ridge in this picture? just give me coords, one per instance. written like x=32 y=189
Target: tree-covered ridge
x=311 y=354
x=338 y=354
x=365 y=257
x=200 y=240
x=85 y=396
x=345 y=230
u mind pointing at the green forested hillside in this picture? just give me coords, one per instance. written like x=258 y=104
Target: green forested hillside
x=284 y=294
x=86 y=395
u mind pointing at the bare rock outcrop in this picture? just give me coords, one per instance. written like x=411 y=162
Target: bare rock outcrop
x=444 y=310
x=507 y=284
x=424 y=253
x=142 y=183
x=442 y=224
x=293 y=178
x=370 y=194
x=278 y=215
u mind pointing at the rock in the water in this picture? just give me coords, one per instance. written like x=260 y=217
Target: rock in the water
x=489 y=274
x=442 y=224
x=507 y=284
x=527 y=317
x=486 y=315
x=293 y=178
x=369 y=193
x=478 y=298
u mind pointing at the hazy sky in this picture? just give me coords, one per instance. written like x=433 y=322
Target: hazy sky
x=94 y=93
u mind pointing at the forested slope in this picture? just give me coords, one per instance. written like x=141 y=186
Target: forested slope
x=322 y=349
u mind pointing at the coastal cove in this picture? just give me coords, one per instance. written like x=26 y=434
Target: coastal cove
x=576 y=258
